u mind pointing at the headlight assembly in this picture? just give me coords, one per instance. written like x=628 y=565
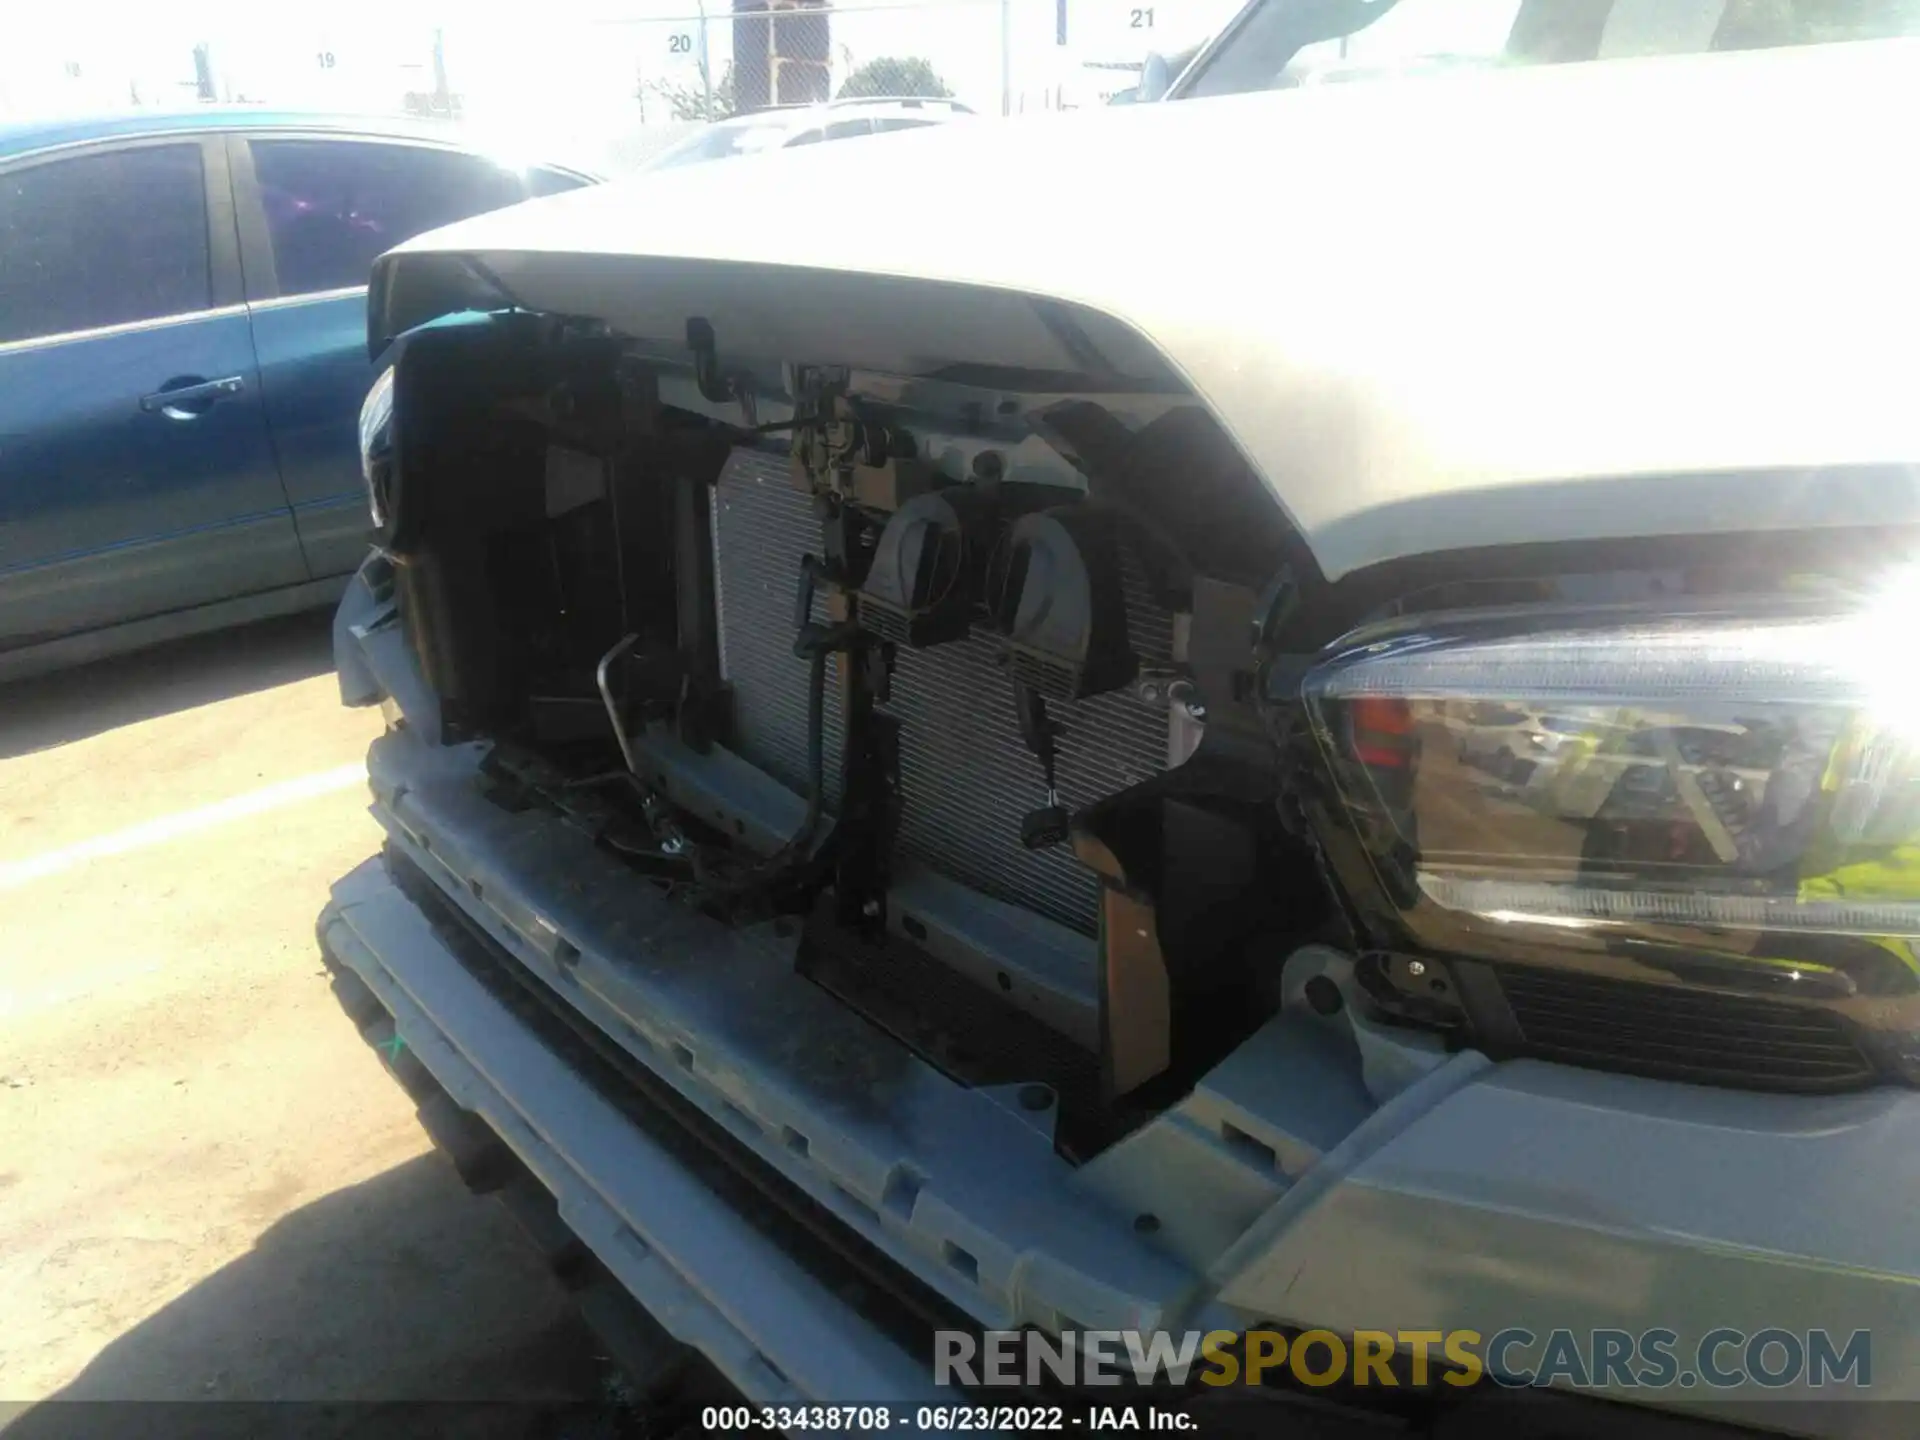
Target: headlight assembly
x=1724 y=801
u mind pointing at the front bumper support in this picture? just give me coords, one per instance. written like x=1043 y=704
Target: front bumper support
x=705 y=1273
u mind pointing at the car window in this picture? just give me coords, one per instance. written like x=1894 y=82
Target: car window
x=551 y=182
x=807 y=137
x=722 y=141
x=901 y=122
x=1287 y=43
x=103 y=239
x=847 y=129
x=333 y=206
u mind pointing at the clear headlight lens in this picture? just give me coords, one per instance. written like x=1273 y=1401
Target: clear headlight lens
x=1577 y=772
x=376 y=443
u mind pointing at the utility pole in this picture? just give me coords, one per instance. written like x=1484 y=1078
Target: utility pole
x=1006 y=57
x=203 y=86
x=706 y=65
x=442 y=92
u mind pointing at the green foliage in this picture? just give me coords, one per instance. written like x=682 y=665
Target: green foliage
x=693 y=100
x=890 y=77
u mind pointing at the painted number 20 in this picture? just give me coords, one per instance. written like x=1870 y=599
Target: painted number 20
x=680 y=44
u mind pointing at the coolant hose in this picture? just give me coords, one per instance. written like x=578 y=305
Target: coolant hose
x=603 y=679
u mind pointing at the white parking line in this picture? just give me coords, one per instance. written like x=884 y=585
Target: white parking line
x=15 y=873
x=19 y=1004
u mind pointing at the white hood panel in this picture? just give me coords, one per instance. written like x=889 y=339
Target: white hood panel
x=1612 y=300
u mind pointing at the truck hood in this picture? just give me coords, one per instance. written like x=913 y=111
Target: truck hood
x=1611 y=300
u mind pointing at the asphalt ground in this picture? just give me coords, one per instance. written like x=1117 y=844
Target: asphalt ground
x=210 y=1189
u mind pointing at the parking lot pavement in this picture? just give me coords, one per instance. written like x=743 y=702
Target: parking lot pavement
x=208 y=1186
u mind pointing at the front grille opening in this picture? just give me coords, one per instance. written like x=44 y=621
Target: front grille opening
x=1692 y=1035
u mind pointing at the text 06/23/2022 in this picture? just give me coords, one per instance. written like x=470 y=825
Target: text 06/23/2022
x=924 y=1419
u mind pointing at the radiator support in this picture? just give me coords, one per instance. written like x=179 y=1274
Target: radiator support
x=966 y=776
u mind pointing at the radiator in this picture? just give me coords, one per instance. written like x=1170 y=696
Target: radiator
x=966 y=777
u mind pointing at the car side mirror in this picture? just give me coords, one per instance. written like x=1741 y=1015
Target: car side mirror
x=1156 y=78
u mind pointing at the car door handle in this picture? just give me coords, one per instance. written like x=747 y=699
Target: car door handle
x=188 y=397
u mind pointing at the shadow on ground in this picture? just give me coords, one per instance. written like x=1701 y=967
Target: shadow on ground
x=74 y=704
x=403 y=1305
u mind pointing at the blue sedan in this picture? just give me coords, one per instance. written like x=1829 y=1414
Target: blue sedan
x=182 y=359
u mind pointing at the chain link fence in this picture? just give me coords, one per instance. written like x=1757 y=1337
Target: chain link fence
x=601 y=82
x=773 y=53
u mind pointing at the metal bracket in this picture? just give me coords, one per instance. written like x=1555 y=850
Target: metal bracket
x=715 y=386
x=1275 y=610
x=844 y=636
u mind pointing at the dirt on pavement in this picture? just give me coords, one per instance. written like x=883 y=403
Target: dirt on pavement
x=209 y=1187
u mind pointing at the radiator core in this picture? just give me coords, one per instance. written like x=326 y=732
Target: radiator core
x=966 y=777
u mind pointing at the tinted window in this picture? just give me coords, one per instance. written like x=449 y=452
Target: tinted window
x=333 y=206
x=847 y=129
x=102 y=240
x=901 y=123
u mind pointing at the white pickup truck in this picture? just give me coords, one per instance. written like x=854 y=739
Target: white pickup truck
x=1325 y=755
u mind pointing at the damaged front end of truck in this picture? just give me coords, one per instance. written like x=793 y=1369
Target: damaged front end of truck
x=907 y=814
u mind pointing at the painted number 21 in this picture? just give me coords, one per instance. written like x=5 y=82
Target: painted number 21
x=1142 y=20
